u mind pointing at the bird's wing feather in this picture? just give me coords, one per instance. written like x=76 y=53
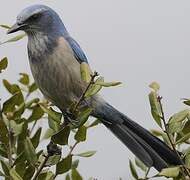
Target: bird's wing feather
x=78 y=52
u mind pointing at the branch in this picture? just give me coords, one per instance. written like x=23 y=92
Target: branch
x=72 y=148
x=82 y=97
x=146 y=174
x=42 y=165
x=170 y=139
x=52 y=149
x=10 y=143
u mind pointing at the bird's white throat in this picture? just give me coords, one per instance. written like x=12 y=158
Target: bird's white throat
x=37 y=43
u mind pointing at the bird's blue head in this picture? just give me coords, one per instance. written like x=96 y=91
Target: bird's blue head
x=38 y=19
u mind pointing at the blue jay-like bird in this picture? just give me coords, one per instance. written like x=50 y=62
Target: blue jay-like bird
x=55 y=59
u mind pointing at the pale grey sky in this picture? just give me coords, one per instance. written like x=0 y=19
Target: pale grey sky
x=133 y=41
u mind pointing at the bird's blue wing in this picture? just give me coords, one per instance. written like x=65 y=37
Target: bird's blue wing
x=78 y=52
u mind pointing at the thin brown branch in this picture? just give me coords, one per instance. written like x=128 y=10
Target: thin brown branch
x=42 y=165
x=32 y=128
x=82 y=97
x=72 y=148
x=146 y=173
x=170 y=138
x=10 y=144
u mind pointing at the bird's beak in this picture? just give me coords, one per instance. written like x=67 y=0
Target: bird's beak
x=15 y=28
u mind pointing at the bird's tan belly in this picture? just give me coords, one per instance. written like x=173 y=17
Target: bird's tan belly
x=57 y=74
x=59 y=83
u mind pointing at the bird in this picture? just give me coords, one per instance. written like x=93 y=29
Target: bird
x=55 y=58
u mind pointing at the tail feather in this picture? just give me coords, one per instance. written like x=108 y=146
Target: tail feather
x=148 y=148
x=139 y=147
x=128 y=139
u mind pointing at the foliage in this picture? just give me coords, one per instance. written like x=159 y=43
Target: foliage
x=174 y=131
x=22 y=136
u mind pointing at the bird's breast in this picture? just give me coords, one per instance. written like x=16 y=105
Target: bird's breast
x=57 y=74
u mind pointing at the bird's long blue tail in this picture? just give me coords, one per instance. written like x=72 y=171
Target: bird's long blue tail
x=148 y=148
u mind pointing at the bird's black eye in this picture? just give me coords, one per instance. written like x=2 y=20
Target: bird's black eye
x=34 y=17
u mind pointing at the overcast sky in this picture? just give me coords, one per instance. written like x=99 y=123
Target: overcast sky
x=133 y=41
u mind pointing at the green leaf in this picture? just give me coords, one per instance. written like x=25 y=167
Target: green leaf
x=16 y=128
x=156 y=132
x=81 y=134
x=85 y=72
x=166 y=139
x=53 y=124
x=11 y=88
x=82 y=117
x=29 y=172
x=14 y=39
x=5 y=26
x=49 y=133
x=37 y=113
x=95 y=123
x=14 y=175
x=75 y=175
x=75 y=163
x=20 y=168
x=175 y=127
x=183 y=139
x=24 y=79
x=155 y=86
x=86 y=154
x=186 y=101
x=19 y=111
x=53 y=114
x=62 y=136
x=67 y=177
x=3 y=64
x=36 y=138
x=32 y=103
x=52 y=160
x=155 y=108
x=108 y=84
x=16 y=99
x=21 y=138
x=64 y=165
x=180 y=116
x=2 y=174
x=94 y=89
x=3 y=132
x=141 y=165
x=47 y=175
x=20 y=158
x=3 y=150
x=33 y=87
x=170 y=172
x=187 y=157
x=133 y=170
x=6 y=168
x=30 y=152
x=186 y=128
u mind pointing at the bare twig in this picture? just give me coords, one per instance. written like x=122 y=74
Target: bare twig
x=32 y=128
x=42 y=165
x=70 y=152
x=146 y=173
x=170 y=139
x=82 y=97
x=72 y=148
x=10 y=144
